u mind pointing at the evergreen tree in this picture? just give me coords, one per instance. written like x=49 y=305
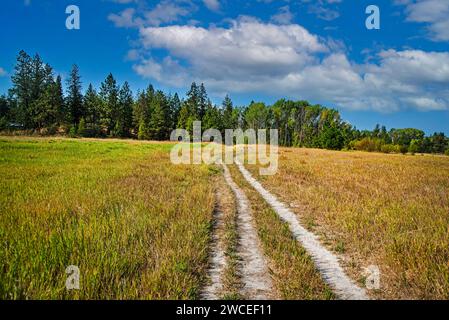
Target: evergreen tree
x=229 y=121
x=22 y=89
x=159 y=126
x=184 y=116
x=58 y=96
x=74 y=100
x=92 y=105
x=175 y=108
x=126 y=102
x=193 y=101
x=202 y=101
x=4 y=113
x=109 y=93
x=140 y=111
x=212 y=118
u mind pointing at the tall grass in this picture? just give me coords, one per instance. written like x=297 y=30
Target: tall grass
x=135 y=225
x=386 y=210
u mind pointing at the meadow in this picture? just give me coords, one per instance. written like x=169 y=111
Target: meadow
x=390 y=211
x=139 y=227
x=135 y=225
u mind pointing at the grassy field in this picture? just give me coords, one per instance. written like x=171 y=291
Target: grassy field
x=386 y=210
x=139 y=227
x=135 y=225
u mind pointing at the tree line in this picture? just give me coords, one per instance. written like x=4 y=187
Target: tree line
x=37 y=102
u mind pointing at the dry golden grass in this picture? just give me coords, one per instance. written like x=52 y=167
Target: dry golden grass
x=386 y=210
x=137 y=226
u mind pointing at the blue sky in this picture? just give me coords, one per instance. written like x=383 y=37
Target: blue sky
x=253 y=50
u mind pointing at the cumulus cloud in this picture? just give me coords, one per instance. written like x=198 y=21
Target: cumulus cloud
x=287 y=60
x=434 y=13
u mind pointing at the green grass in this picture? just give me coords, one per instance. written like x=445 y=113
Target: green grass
x=136 y=225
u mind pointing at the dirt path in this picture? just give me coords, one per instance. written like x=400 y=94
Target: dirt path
x=217 y=259
x=254 y=271
x=326 y=262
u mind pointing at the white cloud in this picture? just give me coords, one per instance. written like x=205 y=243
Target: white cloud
x=287 y=60
x=284 y=16
x=434 y=13
x=166 y=11
x=125 y=19
x=213 y=5
x=323 y=9
x=2 y=72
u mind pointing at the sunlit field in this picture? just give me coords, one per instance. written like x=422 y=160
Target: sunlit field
x=135 y=225
x=391 y=211
x=139 y=227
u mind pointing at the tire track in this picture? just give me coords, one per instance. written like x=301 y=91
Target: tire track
x=326 y=262
x=257 y=283
x=217 y=258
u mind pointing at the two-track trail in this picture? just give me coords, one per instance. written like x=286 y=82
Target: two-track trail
x=253 y=270
x=217 y=258
x=255 y=278
x=325 y=261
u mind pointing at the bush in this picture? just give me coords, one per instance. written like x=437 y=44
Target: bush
x=446 y=152
x=368 y=144
x=390 y=148
x=72 y=132
x=414 y=147
x=403 y=149
x=82 y=128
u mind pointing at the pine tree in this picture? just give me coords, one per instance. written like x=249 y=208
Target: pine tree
x=143 y=131
x=202 y=101
x=159 y=119
x=92 y=105
x=183 y=117
x=175 y=108
x=212 y=118
x=22 y=88
x=140 y=111
x=126 y=102
x=192 y=101
x=58 y=97
x=4 y=112
x=228 y=119
x=74 y=100
x=110 y=111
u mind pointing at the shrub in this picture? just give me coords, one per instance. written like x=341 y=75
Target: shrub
x=403 y=149
x=390 y=148
x=414 y=147
x=368 y=144
x=446 y=152
x=72 y=132
x=82 y=128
